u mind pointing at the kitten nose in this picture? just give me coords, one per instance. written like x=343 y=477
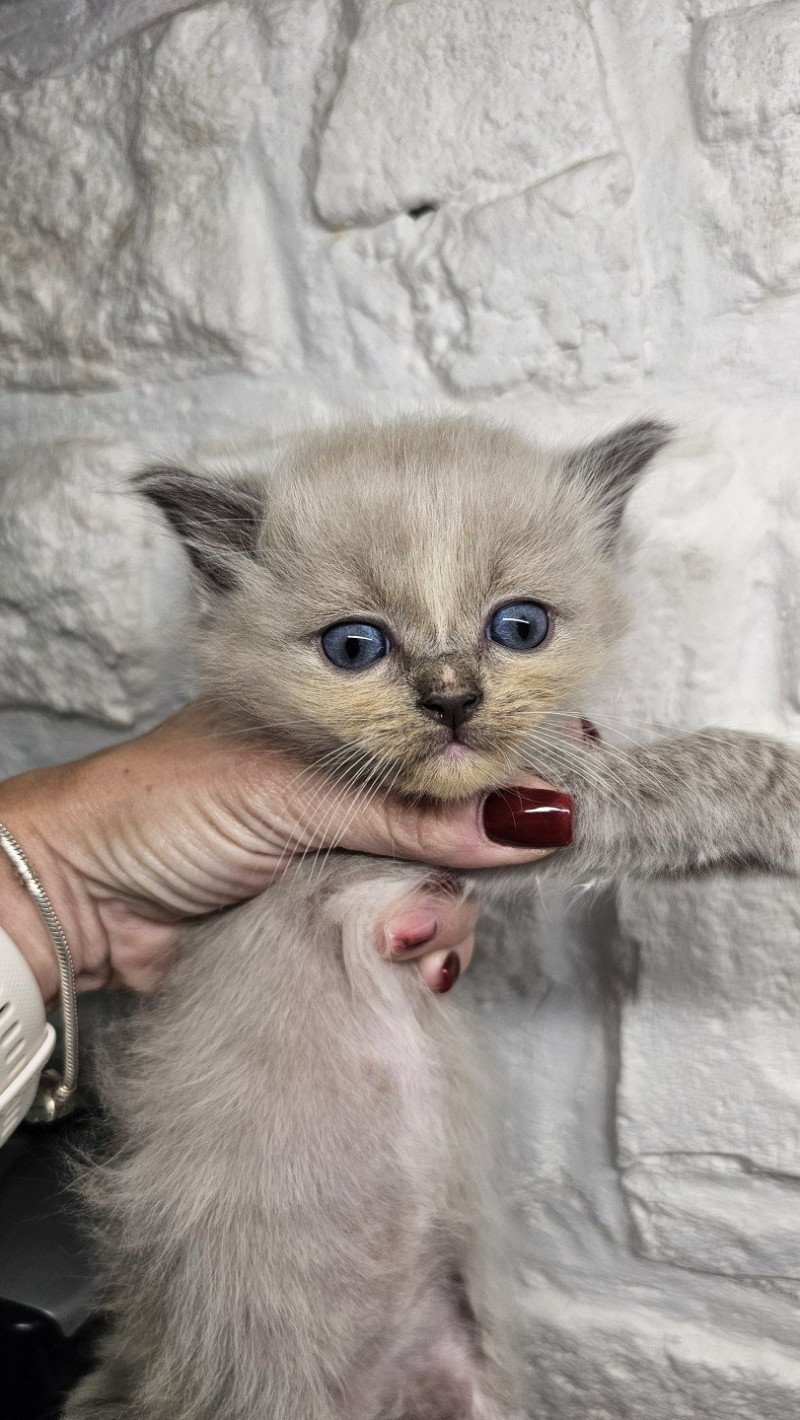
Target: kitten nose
x=452 y=710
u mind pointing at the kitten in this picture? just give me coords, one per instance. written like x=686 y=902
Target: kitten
x=300 y=1221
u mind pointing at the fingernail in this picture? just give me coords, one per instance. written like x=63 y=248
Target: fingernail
x=528 y=818
x=449 y=973
x=589 y=730
x=412 y=930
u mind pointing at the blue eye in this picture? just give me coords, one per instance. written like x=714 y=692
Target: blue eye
x=520 y=626
x=354 y=645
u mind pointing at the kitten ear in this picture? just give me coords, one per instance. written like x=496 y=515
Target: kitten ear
x=217 y=519
x=610 y=467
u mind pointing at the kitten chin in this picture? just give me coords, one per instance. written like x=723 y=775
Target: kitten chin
x=453 y=773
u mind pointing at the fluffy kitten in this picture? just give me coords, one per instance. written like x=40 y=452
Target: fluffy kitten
x=299 y=1221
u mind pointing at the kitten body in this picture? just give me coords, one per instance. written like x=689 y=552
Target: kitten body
x=301 y=1219
x=299 y=1204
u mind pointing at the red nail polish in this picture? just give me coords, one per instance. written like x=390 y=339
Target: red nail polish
x=589 y=730
x=449 y=973
x=528 y=818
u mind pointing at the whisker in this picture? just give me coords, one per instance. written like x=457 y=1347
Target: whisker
x=334 y=786
x=332 y=780
x=322 y=829
x=359 y=806
x=335 y=839
x=598 y=758
x=578 y=759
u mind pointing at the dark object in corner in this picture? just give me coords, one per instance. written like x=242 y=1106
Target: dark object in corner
x=49 y=1323
x=48 y=1328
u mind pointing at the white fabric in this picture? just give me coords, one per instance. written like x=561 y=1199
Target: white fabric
x=26 y=1039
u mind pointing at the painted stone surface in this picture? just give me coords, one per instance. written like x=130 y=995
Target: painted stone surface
x=221 y=221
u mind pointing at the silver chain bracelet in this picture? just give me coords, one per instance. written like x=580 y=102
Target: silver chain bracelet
x=55 y=1096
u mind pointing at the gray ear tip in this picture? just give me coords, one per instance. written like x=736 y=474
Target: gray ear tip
x=217 y=519
x=658 y=428
x=152 y=471
x=158 y=480
x=610 y=467
x=652 y=433
x=617 y=458
x=641 y=440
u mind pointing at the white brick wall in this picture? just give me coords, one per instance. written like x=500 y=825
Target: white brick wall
x=211 y=233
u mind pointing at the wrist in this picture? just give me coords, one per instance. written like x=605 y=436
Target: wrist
x=26 y=813
x=56 y=1090
x=27 y=1040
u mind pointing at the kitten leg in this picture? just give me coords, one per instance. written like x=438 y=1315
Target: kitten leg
x=449 y=1388
x=103 y=1395
x=713 y=799
x=445 y=1382
x=455 y=1360
x=483 y=1409
x=280 y=1195
x=444 y=1387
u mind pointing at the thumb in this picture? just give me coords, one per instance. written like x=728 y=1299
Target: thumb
x=509 y=826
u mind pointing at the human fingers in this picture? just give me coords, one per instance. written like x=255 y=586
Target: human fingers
x=436 y=931
x=433 y=921
x=440 y=970
x=516 y=824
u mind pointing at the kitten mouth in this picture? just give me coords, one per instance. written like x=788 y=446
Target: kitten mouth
x=455 y=751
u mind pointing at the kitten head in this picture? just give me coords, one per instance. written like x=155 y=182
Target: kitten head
x=410 y=601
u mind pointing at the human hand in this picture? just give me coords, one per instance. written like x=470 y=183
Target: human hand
x=189 y=818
